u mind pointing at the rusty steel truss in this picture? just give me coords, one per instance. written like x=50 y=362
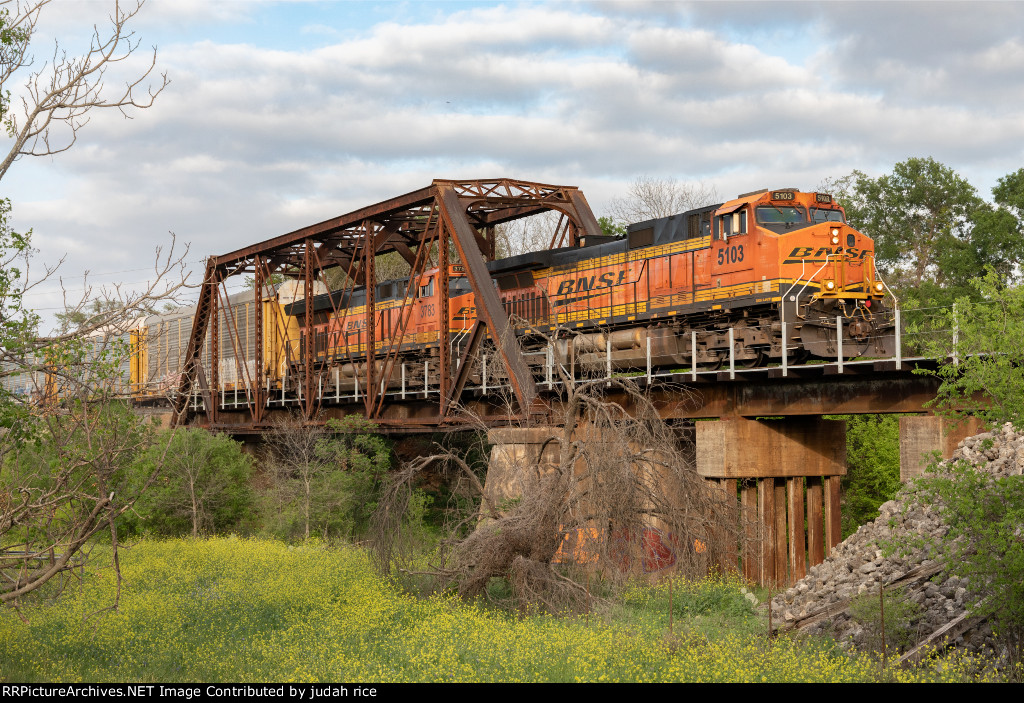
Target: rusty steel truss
x=418 y=226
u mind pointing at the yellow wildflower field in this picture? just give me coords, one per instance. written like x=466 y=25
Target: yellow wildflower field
x=237 y=610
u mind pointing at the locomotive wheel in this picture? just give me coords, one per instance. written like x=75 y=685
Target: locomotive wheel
x=711 y=365
x=759 y=358
x=798 y=356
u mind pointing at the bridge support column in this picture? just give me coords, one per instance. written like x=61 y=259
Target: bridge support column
x=521 y=456
x=922 y=435
x=785 y=473
x=515 y=450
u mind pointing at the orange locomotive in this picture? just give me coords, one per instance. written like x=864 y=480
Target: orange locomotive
x=747 y=269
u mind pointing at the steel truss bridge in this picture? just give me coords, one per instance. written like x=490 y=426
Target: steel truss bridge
x=423 y=227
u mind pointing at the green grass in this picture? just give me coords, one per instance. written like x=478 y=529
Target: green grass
x=226 y=609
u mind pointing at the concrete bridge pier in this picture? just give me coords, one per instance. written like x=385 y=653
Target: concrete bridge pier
x=515 y=450
x=923 y=435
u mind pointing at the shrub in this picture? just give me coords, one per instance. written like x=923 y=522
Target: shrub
x=985 y=541
x=203 y=487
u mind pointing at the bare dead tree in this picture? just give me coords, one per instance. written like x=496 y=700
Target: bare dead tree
x=525 y=235
x=65 y=447
x=57 y=99
x=649 y=197
x=609 y=490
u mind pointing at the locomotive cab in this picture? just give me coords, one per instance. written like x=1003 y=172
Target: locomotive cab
x=824 y=268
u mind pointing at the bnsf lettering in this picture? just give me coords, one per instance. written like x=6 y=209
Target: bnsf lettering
x=810 y=252
x=606 y=280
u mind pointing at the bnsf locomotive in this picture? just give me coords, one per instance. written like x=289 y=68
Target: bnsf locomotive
x=769 y=273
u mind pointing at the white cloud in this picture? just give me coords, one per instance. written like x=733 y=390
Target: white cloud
x=252 y=140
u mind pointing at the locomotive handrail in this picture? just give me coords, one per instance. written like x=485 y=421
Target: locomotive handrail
x=874 y=271
x=782 y=313
x=808 y=281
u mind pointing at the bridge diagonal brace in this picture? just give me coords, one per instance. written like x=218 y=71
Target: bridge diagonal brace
x=584 y=215
x=489 y=305
x=205 y=308
x=465 y=363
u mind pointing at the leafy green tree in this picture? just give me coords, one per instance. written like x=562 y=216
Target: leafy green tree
x=984 y=377
x=985 y=541
x=66 y=485
x=16 y=329
x=326 y=477
x=203 y=487
x=1009 y=193
x=983 y=335
x=916 y=215
x=64 y=451
x=611 y=228
x=873 y=467
x=934 y=235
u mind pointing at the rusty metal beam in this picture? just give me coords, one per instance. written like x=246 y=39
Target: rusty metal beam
x=190 y=362
x=327 y=227
x=488 y=303
x=584 y=216
x=444 y=320
x=405 y=252
x=369 y=256
x=308 y=347
x=477 y=334
x=257 y=352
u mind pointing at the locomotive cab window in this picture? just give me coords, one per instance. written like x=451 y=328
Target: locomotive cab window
x=781 y=218
x=819 y=214
x=732 y=224
x=427 y=290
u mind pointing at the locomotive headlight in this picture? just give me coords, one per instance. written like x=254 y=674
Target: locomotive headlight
x=835 y=239
x=835 y=232
x=879 y=287
x=830 y=285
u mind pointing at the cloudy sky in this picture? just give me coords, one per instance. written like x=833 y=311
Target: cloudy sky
x=281 y=114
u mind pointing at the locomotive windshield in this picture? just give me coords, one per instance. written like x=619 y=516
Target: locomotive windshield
x=819 y=214
x=780 y=218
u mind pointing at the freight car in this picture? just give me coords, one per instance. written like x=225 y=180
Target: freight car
x=770 y=273
x=160 y=342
